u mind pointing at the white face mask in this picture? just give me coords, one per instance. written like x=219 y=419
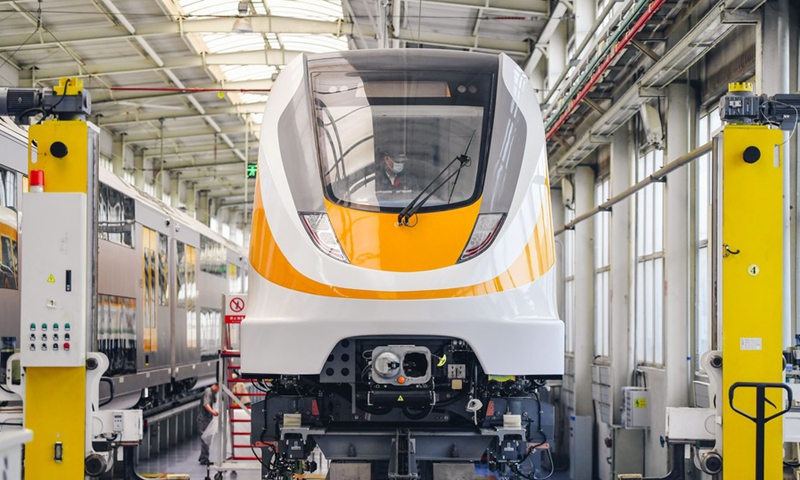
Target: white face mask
x=397 y=167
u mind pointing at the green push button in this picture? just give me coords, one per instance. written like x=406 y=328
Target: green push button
x=44 y=327
x=33 y=326
x=66 y=326
x=55 y=326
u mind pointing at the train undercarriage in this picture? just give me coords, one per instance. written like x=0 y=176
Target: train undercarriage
x=405 y=408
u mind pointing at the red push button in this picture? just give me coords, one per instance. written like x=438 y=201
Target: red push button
x=66 y=346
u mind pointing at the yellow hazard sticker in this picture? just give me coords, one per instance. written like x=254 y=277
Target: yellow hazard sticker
x=640 y=403
x=400 y=399
x=51 y=279
x=442 y=361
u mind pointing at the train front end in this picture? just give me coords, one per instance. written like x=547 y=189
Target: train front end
x=402 y=308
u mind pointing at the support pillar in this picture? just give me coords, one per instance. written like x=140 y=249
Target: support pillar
x=190 y=199
x=585 y=15
x=773 y=71
x=118 y=154
x=203 y=207
x=620 y=342
x=556 y=55
x=584 y=292
x=138 y=168
x=174 y=189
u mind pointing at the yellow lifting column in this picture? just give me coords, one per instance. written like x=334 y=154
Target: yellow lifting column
x=750 y=304
x=57 y=292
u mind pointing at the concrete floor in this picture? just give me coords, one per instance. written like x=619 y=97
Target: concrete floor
x=183 y=459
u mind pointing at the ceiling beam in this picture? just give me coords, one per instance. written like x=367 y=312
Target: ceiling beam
x=205 y=149
x=258 y=57
x=188 y=164
x=176 y=134
x=260 y=23
x=195 y=176
x=102 y=97
x=228 y=194
x=238 y=184
x=539 y=8
x=136 y=116
x=463 y=41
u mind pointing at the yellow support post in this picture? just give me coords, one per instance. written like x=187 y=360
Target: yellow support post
x=751 y=292
x=55 y=401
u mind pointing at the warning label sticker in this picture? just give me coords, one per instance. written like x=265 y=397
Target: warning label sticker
x=51 y=279
x=749 y=344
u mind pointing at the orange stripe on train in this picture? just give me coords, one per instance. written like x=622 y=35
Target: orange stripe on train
x=269 y=261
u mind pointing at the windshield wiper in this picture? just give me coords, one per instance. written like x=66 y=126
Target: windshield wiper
x=413 y=207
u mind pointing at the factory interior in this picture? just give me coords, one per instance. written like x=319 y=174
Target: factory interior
x=399 y=239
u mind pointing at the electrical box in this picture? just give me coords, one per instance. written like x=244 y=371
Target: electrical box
x=125 y=425
x=580 y=447
x=627 y=452
x=54 y=280
x=635 y=410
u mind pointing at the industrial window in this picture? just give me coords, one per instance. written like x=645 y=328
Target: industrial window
x=235 y=279
x=702 y=169
x=8 y=189
x=116 y=332
x=115 y=216
x=106 y=163
x=163 y=270
x=210 y=332
x=213 y=257
x=649 y=284
x=602 y=269
x=150 y=287
x=186 y=283
x=569 y=282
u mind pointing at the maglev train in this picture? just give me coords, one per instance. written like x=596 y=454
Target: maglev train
x=161 y=274
x=402 y=302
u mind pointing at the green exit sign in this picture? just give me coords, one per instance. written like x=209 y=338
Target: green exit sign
x=252 y=169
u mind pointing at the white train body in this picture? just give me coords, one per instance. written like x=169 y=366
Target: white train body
x=432 y=283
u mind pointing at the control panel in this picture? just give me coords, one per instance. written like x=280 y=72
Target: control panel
x=54 y=280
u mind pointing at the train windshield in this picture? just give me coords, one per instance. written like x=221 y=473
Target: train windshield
x=385 y=137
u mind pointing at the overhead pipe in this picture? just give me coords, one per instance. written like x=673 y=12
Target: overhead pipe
x=635 y=29
x=187 y=89
x=656 y=176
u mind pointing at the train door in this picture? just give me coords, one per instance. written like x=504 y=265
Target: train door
x=185 y=350
x=156 y=298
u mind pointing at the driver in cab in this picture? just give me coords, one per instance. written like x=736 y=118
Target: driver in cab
x=391 y=175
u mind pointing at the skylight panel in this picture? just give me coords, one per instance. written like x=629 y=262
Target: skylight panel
x=252 y=98
x=240 y=42
x=313 y=43
x=330 y=10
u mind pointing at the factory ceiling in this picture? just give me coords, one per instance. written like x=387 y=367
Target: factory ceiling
x=186 y=81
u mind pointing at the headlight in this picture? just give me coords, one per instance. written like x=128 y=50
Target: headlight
x=319 y=228
x=486 y=227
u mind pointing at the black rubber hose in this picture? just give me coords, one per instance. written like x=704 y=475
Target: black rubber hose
x=111 y=391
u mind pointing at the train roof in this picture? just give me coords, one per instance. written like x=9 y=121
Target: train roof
x=406 y=59
x=143 y=197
